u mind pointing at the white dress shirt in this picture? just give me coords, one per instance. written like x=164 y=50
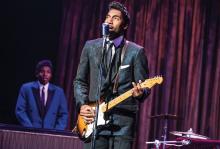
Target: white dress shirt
x=45 y=90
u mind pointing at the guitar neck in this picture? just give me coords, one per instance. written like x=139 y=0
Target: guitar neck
x=117 y=100
x=148 y=83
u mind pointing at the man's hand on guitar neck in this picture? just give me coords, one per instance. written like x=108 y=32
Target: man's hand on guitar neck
x=87 y=113
x=137 y=91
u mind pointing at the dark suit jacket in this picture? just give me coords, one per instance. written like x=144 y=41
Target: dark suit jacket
x=133 y=68
x=30 y=113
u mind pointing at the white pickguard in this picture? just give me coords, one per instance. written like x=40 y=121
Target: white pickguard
x=101 y=121
x=104 y=107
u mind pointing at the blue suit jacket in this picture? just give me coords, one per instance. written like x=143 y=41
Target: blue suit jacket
x=30 y=112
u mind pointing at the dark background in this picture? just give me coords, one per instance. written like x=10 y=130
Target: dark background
x=29 y=32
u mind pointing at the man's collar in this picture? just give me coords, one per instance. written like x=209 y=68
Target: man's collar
x=41 y=85
x=118 y=41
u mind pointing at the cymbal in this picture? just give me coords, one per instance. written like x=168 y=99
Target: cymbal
x=188 y=134
x=165 y=116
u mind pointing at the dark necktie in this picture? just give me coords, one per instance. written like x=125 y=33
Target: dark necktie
x=108 y=56
x=43 y=96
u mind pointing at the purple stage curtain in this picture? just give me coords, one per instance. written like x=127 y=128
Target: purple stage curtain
x=182 y=43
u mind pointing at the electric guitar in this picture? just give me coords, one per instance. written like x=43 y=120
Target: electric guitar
x=85 y=130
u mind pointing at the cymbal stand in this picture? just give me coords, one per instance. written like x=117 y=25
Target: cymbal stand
x=157 y=143
x=165 y=131
x=165 y=117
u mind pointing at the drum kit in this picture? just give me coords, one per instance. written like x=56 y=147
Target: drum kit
x=185 y=135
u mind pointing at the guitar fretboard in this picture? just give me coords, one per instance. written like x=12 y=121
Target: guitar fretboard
x=146 y=84
x=117 y=100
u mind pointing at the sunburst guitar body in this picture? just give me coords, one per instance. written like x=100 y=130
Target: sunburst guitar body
x=85 y=130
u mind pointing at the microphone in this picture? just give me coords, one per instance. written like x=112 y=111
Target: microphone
x=105 y=30
x=105 y=34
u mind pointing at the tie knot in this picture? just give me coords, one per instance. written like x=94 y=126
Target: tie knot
x=109 y=46
x=43 y=90
x=110 y=43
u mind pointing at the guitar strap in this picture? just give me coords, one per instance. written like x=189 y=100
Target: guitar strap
x=115 y=87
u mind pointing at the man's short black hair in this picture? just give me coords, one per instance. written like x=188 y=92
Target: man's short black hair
x=43 y=63
x=123 y=9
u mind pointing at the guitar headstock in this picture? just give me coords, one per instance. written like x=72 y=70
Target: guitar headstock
x=148 y=83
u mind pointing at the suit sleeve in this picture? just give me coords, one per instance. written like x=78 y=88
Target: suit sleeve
x=141 y=71
x=62 y=116
x=81 y=86
x=21 y=109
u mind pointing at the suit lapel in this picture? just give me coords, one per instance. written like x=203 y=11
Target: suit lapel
x=50 y=97
x=98 y=52
x=36 y=93
x=111 y=74
x=119 y=57
x=116 y=62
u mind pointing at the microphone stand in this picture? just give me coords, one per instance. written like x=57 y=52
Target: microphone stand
x=94 y=135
